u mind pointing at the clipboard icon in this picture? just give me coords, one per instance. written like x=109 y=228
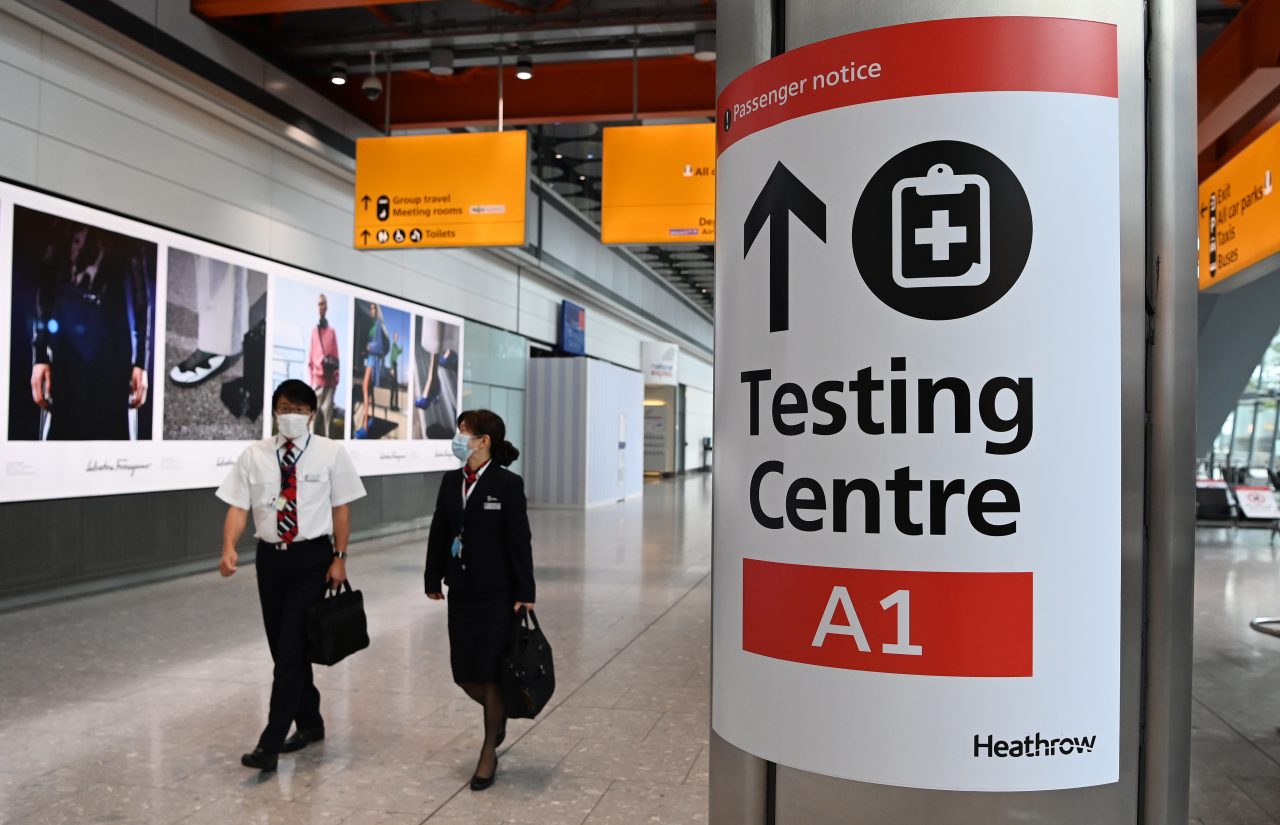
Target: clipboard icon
x=941 y=230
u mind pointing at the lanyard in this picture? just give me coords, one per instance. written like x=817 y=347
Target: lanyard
x=466 y=494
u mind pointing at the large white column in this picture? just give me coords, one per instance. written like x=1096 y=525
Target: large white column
x=954 y=610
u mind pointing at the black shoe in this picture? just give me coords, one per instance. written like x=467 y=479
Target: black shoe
x=260 y=759
x=301 y=739
x=479 y=783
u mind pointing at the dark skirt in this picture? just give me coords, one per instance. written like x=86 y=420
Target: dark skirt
x=478 y=633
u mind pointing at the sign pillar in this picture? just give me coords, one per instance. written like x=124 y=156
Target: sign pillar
x=930 y=559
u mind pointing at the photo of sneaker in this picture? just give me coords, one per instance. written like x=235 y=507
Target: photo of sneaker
x=199 y=367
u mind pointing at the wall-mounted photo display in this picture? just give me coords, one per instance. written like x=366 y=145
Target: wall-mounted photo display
x=379 y=386
x=437 y=383
x=215 y=349
x=82 y=334
x=140 y=359
x=311 y=334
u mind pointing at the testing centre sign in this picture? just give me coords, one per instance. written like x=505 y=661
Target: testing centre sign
x=916 y=560
x=441 y=190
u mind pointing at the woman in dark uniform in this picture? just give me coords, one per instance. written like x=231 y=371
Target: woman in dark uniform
x=480 y=545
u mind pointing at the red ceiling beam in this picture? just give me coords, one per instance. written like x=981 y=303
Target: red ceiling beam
x=213 y=9
x=1238 y=82
x=669 y=87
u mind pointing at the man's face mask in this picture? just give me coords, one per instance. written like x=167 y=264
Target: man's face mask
x=293 y=425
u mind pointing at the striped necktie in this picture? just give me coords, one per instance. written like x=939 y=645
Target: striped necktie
x=287 y=516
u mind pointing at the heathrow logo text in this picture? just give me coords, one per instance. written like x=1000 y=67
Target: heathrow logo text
x=1031 y=746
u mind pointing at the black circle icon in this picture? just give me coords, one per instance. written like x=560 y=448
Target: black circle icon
x=399 y=236
x=942 y=231
x=383 y=236
x=728 y=119
x=415 y=235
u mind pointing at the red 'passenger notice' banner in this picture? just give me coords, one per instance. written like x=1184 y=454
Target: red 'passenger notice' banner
x=974 y=54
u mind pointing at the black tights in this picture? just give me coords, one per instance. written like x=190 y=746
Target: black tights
x=488 y=696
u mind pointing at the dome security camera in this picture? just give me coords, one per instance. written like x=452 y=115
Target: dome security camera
x=371 y=87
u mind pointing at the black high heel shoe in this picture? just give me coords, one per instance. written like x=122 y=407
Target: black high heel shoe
x=479 y=783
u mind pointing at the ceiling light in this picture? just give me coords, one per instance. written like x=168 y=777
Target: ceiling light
x=338 y=76
x=559 y=156
x=524 y=67
x=704 y=46
x=441 y=62
x=582 y=177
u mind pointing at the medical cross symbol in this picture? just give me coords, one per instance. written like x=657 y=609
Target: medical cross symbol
x=941 y=235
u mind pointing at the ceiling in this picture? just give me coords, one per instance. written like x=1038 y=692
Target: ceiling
x=567 y=158
x=594 y=62
x=1212 y=16
x=596 y=48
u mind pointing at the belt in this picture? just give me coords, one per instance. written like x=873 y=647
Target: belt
x=298 y=545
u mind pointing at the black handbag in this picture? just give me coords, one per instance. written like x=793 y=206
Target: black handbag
x=528 y=674
x=329 y=365
x=336 y=626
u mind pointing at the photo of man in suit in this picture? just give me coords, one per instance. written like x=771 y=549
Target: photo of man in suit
x=83 y=331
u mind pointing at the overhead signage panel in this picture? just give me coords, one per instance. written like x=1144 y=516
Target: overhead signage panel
x=1239 y=215
x=441 y=190
x=659 y=184
x=916 y=568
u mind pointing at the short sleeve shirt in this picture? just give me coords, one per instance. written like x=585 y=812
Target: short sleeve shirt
x=327 y=478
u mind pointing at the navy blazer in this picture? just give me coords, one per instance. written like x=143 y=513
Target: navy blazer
x=497 y=546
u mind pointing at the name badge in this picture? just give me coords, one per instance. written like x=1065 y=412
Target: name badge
x=456 y=548
x=493 y=505
x=311 y=477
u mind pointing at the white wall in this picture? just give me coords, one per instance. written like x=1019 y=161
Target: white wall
x=615 y=433
x=697 y=425
x=555 y=457
x=572 y=412
x=87 y=122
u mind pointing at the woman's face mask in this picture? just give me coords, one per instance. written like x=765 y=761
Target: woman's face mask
x=462 y=446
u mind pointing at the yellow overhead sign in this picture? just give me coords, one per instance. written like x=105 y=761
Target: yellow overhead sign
x=441 y=190
x=659 y=184
x=1240 y=213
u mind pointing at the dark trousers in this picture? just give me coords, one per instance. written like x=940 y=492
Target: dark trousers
x=289 y=583
x=395 y=389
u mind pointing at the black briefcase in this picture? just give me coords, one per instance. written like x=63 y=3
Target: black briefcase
x=528 y=674
x=336 y=627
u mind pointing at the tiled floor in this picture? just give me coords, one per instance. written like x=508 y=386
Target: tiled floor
x=1235 y=748
x=134 y=706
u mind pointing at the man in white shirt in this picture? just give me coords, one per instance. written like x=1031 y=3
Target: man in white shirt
x=298 y=487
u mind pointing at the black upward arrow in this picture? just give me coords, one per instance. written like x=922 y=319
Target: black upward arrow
x=364 y=236
x=782 y=194
x=365 y=200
